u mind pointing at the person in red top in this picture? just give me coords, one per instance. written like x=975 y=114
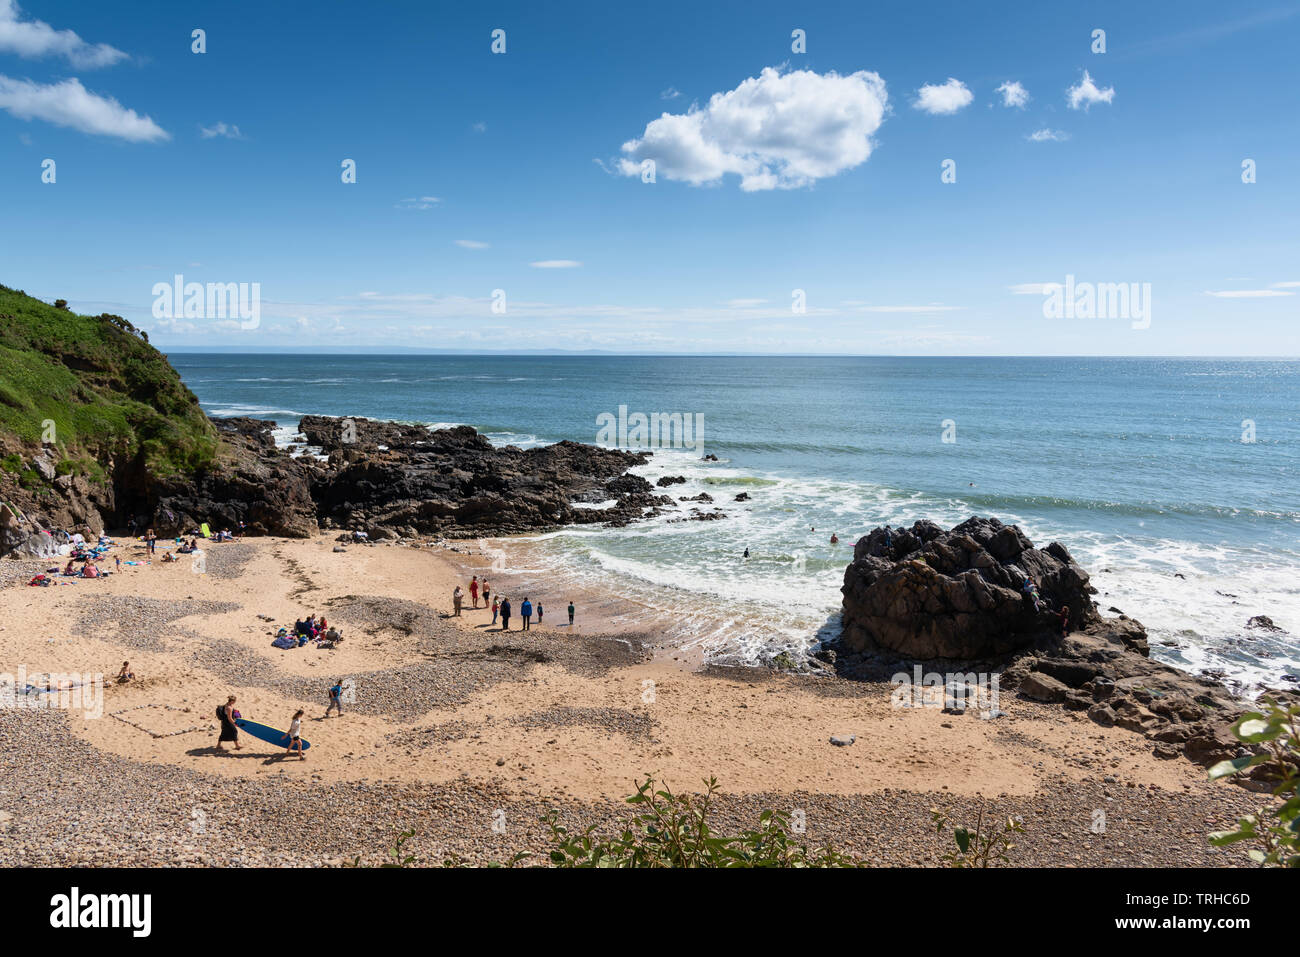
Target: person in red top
x=473 y=590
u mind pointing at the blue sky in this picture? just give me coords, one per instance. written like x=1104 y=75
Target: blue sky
x=822 y=174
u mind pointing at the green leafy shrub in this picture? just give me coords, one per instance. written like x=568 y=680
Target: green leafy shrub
x=979 y=847
x=1274 y=829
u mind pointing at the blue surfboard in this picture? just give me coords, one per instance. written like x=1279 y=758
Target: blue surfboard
x=264 y=733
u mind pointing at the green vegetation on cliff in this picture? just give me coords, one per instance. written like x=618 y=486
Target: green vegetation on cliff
x=109 y=394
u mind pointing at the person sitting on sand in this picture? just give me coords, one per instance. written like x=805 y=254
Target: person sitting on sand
x=295 y=735
x=457 y=597
x=89 y=570
x=68 y=569
x=126 y=674
x=229 y=730
x=169 y=557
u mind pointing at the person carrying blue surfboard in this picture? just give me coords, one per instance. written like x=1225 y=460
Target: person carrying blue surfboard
x=229 y=731
x=295 y=735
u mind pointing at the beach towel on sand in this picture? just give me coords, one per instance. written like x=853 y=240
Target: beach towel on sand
x=205 y=531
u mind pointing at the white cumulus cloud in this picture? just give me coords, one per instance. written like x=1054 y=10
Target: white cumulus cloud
x=35 y=38
x=1014 y=94
x=1085 y=93
x=941 y=99
x=70 y=104
x=775 y=131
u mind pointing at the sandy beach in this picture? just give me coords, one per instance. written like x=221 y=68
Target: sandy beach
x=454 y=724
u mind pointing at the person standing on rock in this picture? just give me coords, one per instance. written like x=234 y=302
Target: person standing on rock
x=457 y=597
x=526 y=613
x=473 y=590
x=1065 y=620
x=505 y=614
x=229 y=730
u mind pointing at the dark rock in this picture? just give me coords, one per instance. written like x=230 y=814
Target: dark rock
x=742 y=497
x=1041 y=687
x=1264 y=623
x=928 y=593
x=668 y=480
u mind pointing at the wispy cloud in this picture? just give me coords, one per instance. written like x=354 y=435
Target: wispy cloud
x=556 y=264
x=1032 y=288
x=1085 y=93
x=929 y=307
x=479 y=127
x=1046 y=135
x=35 y=38
x=671 y=93
x=70 y=104
x=1014 y=94
x=775 y=131
x=471 y=244
x=1247 y=293
x=223 y=130
x=419 y=202
x=943 y=99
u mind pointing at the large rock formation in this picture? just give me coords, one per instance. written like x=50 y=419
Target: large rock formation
x=388 y=478
x=928 y=593
x=954 y=597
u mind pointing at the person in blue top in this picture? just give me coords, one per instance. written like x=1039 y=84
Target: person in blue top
x=336 y=699
x=526 y=613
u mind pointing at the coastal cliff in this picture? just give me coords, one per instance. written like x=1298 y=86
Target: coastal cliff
x=97 y=429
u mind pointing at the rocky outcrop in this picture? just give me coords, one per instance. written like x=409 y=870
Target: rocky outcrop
x=387 y=479
x=410 y=480
x=928 y=593
x=253 y=482
x=954 y=597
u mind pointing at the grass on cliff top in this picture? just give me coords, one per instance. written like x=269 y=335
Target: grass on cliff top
x=108 y=392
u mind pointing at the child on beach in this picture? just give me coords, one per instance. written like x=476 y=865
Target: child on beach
x=473 y=590
x=570 y=614
x=496 y=607
x=295 y=735
x=539 y=612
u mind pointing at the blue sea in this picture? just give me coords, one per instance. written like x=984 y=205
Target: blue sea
x=1174 y=481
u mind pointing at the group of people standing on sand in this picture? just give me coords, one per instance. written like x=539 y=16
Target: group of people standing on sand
x=501 y=607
